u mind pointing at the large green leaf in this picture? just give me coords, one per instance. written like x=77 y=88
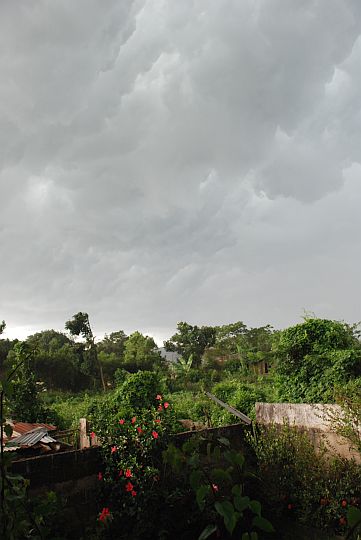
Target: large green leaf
x=201 y=494
x=220 y=475
x=235 y=458
x=263 y=524
x=195 y=479
x=241 y=503
x=237 y=490
x=256 y=507
x=224 y=508
x=353 y=516
x=210 y=529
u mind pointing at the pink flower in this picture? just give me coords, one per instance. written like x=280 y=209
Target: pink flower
x=114 y=449
x=104 y=514
x=133 y=493
x=155 y=434
x=134 y=419
x=166 y=405
x=120 y=472
x=129 y=486
x=158 y=396
x=121 y=421
x=100 y=476
x=160 y=408
x=128 y=473
x=92 y=435
x=139 y=430
x=215 y=488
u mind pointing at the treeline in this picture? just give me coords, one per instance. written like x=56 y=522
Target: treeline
x=306 y=362
x=62 y=362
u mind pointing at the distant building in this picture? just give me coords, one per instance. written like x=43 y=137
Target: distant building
x=171 y=357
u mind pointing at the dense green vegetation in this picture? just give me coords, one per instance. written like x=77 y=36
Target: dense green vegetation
x=136 y=400
x=310 y=362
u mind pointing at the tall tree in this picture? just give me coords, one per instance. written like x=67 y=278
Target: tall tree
x=114 y=343
x=24 y=402
x=191 y=340
x=79 y=325
x=141 y=353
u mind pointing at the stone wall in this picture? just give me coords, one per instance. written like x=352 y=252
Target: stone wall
x=314 y=419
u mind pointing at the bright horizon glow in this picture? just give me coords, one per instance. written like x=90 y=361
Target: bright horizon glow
x=23 y=332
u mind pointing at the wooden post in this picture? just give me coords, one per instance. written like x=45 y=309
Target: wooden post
x=84 y=441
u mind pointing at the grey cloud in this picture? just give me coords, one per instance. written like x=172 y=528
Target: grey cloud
x=163 y=161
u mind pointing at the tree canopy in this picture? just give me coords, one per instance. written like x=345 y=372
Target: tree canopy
x=191 y=340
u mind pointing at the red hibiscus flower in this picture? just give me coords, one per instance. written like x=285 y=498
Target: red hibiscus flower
x=92 y=435
x=166 y=405
x=120 y=472
x=134 y=419
x=133 y=493
x=343 y=503
x=129 y=486
x=158 y=396
x=128 y=473
x=215 y=488
x=114 y=449
x=121 y=421
x=157 y=420
x=139 y=430
x=100 y=476
x=155 y=434
x=160 y=408
x=104 y=514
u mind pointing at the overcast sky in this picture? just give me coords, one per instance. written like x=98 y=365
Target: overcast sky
x=194 y=160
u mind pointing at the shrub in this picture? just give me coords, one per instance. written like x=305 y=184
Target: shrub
x=215 y=473
x=315 y=356
x=130 y=474
x=240 y=395
x=298 y=481
x=140 y=389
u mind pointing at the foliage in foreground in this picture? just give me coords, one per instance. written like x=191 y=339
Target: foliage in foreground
x=216 y=474
x=301 y=483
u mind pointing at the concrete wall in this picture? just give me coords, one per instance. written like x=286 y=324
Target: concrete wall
x=314 y=419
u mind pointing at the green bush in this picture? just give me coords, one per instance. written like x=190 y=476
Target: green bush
x=240 y=395
x=140 y=389
x=69 y=408
x=304 y=484
x=193 y=406
x=315 y=356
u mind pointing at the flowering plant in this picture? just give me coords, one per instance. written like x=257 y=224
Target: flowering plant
x=130 y=449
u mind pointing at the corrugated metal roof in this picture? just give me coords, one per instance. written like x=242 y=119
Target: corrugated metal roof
x=39 y=434
x=25 y=427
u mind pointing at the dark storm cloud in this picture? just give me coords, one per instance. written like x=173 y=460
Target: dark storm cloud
x=188 y=160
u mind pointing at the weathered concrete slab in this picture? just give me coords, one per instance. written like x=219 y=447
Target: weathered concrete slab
x=313 y=419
